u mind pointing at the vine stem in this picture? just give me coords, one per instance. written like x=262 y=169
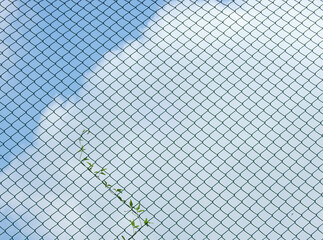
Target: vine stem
x=97 y=175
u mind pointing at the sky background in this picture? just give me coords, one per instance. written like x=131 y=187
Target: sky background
x=46 y=47
x=213 y=109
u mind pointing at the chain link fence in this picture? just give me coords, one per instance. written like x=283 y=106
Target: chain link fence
x=208 y=113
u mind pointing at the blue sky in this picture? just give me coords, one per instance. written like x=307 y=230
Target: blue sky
x=47 y=47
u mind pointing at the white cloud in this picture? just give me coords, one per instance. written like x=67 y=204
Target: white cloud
x=213 y=112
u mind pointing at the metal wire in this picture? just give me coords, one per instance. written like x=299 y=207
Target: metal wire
x=208 y=113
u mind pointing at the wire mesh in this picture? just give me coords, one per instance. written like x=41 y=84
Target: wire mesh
x=208 y=113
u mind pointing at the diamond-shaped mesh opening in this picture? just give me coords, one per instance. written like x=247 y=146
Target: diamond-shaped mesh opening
x=208 y=113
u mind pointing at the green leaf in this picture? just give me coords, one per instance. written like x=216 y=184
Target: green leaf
x=146 y=222
x=138 y=207
x=106 y=184
x=131 y=205
x=123 y=238
x=85 y=131
x=90 y=165
x=134 y=224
